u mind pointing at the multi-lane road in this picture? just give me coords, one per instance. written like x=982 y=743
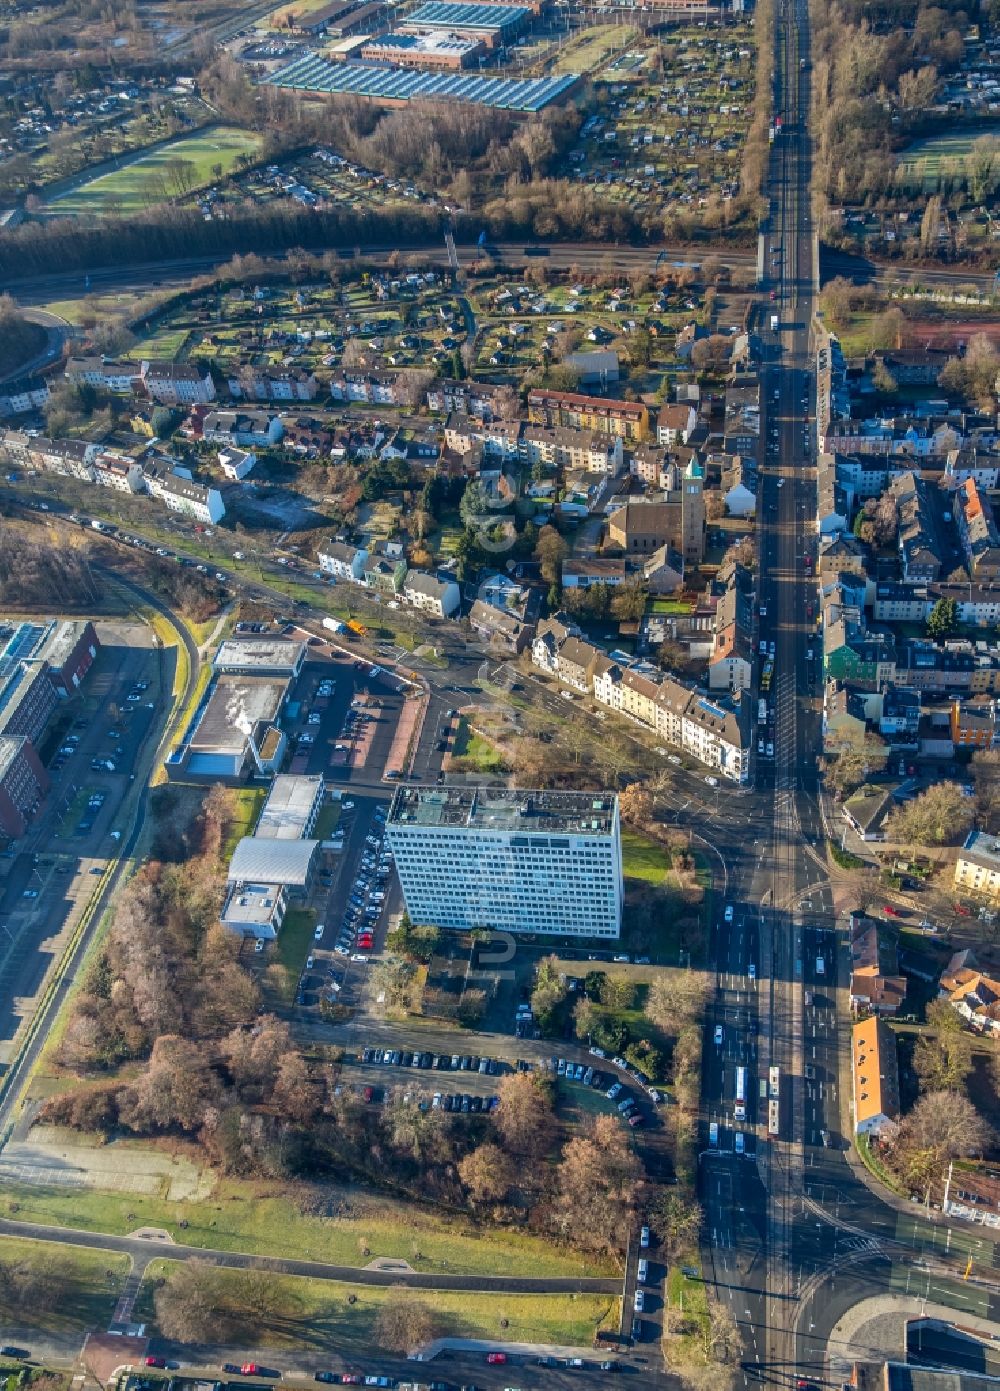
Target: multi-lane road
x=793 y=1237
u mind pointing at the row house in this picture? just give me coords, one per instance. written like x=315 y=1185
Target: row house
x=864 y=476
x=72 y=458
x=273 y=384
x=676 y=423
x=717 y=735
x=851 y=653
x=559 y=447
x=374 y=388
x=840 y=554
x=730 y=666
x=977 y=868
x=975 y=723
x=247 y=429
x=902 y=603
x=971 y=462
x=497 y=438
x=481 y=399
x=977 y=530
x=739 y=486
x=877 y=986
x=832 y=503
x=119 y=471
x=384 y=573
x=919 y=539
x=24 y=396
x=308 y=438
x=177 y=383
x=184 y=495
x=342 y=561
x=500 y=628
x=630 y=419
x=120 y=378
x=899 y=717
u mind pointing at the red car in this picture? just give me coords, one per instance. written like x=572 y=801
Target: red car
x=961 y=908
x=154 y=1361
x=249 y=1369
x=893 y=912
x=496 y=1357
x=366 y=942
x=351 y=1379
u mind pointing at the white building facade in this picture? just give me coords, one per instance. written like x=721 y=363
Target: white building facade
x=516 y=861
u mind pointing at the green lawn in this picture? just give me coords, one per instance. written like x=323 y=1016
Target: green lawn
x=327 y=821
x=148 y=180
x=483 y=757
x=294 y=943
x=264 y=1220
x=318 y=1314
x=929 y=154
x=249 y=801
x=83 y=1286
x=643 y=858
x=590 y=48
x=165 y=343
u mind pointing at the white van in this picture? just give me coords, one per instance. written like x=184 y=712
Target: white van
x=642 y=1273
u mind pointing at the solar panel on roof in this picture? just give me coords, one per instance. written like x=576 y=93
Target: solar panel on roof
x=402 y=84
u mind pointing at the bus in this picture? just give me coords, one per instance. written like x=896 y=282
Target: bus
x=762 y=712
x=772 y=1118
x=740 y=1109
x=774 y=1082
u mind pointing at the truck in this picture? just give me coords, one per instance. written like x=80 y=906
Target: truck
x=774 y=323
x=334 y=625
x=354 y=626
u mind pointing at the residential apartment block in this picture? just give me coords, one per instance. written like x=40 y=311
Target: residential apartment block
x=630 y=419
x=977 y=869
x=516 y=861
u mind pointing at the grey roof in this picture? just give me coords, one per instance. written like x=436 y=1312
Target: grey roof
x=289 y=805
x=258 y=859
x=420 y=582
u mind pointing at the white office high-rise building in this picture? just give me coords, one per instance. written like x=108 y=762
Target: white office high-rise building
x=545 y=862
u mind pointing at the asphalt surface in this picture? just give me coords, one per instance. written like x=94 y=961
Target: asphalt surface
x=21 y=1067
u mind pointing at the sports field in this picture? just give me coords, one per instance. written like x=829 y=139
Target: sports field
x=167 y=172
x=926 y=157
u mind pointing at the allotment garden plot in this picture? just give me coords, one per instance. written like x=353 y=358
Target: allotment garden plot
x=671 y=120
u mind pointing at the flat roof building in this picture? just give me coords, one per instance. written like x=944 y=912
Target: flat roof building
x=292 y=806
x=233 y=731
x=256 y=910
x=268 y=656
x=397 y=86
x=450 y=52
x=518 y=861
x=494 y=24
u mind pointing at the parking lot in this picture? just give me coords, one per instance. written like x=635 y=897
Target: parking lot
x=46 y=884
x=341 y=723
